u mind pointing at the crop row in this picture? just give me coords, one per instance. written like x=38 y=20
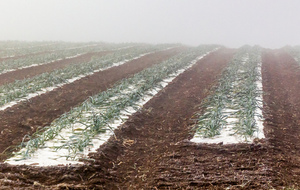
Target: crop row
x=15 y=48
x=95 y=114
x=40 y=59
x=233 y=106
x=18 y=48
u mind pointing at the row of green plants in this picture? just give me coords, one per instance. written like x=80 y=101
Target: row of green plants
x=49 y=57
x=99 y=111
x=10 y=49
x=15 y=48
x=234 y=100
x=22 y=88
x=246 y=96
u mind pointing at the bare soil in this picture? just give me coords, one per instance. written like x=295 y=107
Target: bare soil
x=152 y=149
x=30 y=72
x=28 y=116
x=281 y=85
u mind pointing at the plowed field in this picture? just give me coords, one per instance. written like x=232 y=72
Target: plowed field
x=152 y=149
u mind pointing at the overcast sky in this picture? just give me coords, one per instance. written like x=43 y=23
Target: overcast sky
x=270 y=23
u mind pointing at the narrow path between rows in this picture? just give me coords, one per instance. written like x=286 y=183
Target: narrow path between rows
x=281 y=81
x=30 y=72
x=27 y=117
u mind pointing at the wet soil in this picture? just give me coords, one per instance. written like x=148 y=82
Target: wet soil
x=30 y=72
x=28 y=116
x=281 y=85
x=152 y=149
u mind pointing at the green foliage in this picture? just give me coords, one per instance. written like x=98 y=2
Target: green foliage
x=237 y=91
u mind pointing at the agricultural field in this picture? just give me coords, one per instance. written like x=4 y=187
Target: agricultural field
x=141 y=116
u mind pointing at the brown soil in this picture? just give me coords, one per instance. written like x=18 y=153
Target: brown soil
x=29 y=72
x=281 y=81
x=27 y=117
x=152 y=149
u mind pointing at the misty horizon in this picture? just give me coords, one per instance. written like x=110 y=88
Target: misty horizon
x=232 y=23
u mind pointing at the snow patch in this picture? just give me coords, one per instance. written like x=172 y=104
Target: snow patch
x=227 y=135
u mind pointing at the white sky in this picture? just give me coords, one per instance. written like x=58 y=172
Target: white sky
x=270 y=23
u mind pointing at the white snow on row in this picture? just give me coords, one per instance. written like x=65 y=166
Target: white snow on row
x=226 y=135
x=11 y=56
x=70 y=57
x=34 y=65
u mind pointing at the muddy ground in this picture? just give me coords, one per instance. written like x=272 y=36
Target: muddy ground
x=281 y=81
x=152 y=149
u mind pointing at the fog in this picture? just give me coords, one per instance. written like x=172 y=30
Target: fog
x=269 y=23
